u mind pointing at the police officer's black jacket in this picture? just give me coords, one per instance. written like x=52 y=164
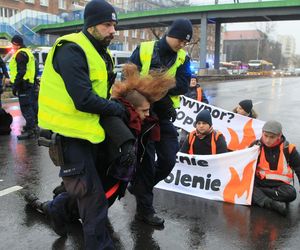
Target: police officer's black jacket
x=3 y=68
x=163 y=58
x=76 y=77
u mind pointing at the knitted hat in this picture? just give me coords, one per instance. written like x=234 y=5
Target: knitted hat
x=204 y=116
x=98 y=11
x=273 y=127
x=246 y=105
x=18 y=40
x=181 y=29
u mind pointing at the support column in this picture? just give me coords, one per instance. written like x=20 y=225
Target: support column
x=217 y=45
x=203 y=41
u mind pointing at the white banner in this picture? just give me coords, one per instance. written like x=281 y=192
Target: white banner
x=225 y=177
x=239 y=130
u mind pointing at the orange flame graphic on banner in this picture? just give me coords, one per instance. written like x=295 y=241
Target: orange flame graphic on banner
x=248 y=137
x=238 y=187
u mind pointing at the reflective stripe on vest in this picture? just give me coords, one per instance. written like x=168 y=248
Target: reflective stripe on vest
x=214 y=138
x=199 y=94
x=283 y=172
x=30 y=66
x=57 y=111
x=146 y=53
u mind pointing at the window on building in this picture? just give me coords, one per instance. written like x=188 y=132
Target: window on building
x=126 y=33
x=117 y=33
x=29 y=1
x=142 y=34
x=44 y=2
x=62 y=4
x=134 y=33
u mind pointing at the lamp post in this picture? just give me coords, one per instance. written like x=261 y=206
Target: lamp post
x=257 y=49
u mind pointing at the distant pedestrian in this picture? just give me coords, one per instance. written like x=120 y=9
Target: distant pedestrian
x=204 y=140
x=245 y=107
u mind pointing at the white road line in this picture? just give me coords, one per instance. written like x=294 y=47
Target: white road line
x=10 y=190
x=257 y=103
x=1 y=180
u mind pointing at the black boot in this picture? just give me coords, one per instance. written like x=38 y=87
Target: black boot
x=277 y=206
x=34 y=202
x=151 y=219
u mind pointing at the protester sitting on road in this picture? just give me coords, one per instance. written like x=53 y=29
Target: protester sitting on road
x=117 y=168
x=195 y=91
x=276 y=164
x=245 y=107
x=204 y=140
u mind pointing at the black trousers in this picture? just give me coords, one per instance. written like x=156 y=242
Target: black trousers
x=82 y=182
x=276 y=190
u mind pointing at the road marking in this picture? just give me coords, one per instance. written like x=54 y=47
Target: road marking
x=257 y=103
x=10 y=190
x=1 y=180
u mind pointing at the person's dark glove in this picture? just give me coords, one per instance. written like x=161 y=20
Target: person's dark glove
x=123 y=167
x=119 y=109
x=127 y=154
x=1 y=89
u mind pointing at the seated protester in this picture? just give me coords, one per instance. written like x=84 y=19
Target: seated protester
x=245 y=108
x=277 y=161
x=195 y=91
x=125 y=143
x=204 y=140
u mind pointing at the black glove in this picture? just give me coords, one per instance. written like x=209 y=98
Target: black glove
x=123 y=168
x=128 y=154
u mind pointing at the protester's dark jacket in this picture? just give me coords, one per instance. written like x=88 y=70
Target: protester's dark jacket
x=76 y=77
x=162 y=59
x=192 y=93
x=272 y=156
x=203 y=146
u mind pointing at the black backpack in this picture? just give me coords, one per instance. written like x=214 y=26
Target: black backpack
x=5 y=122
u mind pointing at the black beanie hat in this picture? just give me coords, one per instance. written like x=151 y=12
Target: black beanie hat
x=98 y=11
x=204 y=116
x=181 y=29
x=246 y=105
x=17 y=40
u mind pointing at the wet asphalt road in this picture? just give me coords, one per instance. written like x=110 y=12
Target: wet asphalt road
x=191 y=223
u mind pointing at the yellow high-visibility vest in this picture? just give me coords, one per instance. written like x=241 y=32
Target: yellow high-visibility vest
x=57 y=111
x=30 y=66
x=146 y=52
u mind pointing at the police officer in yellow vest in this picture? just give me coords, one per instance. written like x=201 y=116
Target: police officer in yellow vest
x=73 y=96
x=22 y=75
x=167 y=55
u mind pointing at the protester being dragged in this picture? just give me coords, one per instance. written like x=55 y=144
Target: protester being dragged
x=245 y=107
x=124 y=146
x=274 y=175
x=204 y=140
